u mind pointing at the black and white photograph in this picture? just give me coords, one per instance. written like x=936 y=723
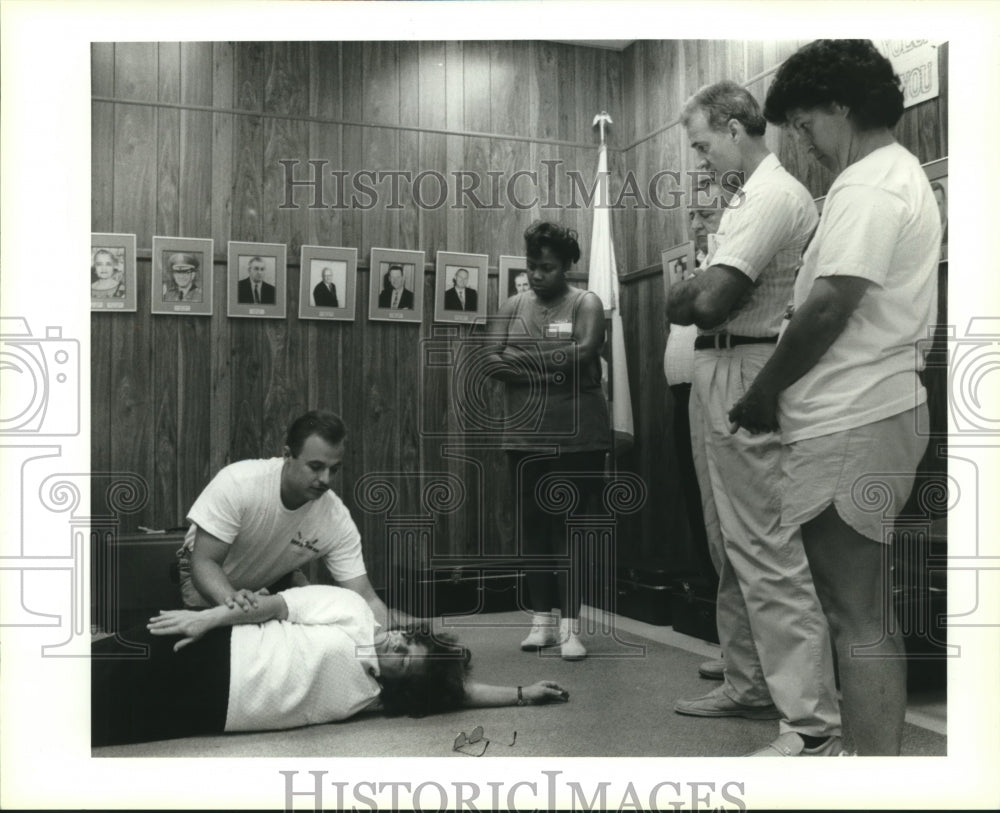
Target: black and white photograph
x=289 y=556
x=460 y=285
x=256 y=281
x=328 y=283
x=182 y=276
x=678 y=264
x=396 y=285
x=112 y=272
x=513 y=276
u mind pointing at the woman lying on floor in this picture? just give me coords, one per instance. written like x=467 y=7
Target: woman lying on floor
x=306 y=655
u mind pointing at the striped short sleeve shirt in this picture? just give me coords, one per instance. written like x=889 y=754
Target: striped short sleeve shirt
x=763 y=233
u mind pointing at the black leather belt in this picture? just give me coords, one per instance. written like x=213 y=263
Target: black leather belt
x=723 y=341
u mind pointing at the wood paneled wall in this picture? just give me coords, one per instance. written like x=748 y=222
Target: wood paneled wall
x=186 y=141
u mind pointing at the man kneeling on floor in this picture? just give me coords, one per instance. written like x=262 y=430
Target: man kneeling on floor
x=259 y=521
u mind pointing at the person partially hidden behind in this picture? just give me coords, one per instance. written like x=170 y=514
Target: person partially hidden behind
x=460 y=297
x=395 y=295
x=305 y=656
x=325 y=292
x=253 y=289
x=259 y=521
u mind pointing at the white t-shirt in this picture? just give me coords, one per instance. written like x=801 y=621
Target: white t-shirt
x=242 y=507
x=316 y=667
x=880 y=222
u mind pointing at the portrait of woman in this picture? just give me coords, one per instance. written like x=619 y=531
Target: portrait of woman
x=107 y=274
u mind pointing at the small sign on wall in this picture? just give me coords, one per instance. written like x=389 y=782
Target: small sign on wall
x=916 y=62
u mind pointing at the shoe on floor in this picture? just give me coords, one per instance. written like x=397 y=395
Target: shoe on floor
x=543 y=632
x=570 y=647
x=717 y=704
x=713 y=670
x=791 y=744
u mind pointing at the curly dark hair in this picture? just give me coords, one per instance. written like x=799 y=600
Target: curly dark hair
x=560 y=240
x=436 y=687
x=327 y=425
x=722 y=102
x=851 y=73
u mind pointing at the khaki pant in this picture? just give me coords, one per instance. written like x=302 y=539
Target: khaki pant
x=773 y=633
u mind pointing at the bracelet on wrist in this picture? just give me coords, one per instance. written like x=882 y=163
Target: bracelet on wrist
x=520 y=697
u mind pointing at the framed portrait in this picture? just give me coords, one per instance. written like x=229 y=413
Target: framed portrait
x=460 y=287
x=513 y=276
x=328 y=283
x=678 y=263
x=396 y=285
x=182 y=274
x=937 y=174
x=256 y=285
x=112 y=272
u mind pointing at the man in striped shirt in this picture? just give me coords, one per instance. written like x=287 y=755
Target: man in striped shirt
x=774 y=637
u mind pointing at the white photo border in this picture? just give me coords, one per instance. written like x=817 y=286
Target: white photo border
x=346 y=296
x=238 y=250
x=415 y=260
x=127 y=303
x=162 y=246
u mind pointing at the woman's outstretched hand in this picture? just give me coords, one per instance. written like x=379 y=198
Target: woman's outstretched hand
x=189 y=624
x=545 y=691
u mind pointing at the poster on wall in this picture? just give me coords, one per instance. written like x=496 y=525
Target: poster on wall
x=328 y=283
x=182 y=274
x=513 y=276
x=460 y=287
x=916 y=64
x=937 y=174
x=112 y=272
x=256 y=283
x=395 y=292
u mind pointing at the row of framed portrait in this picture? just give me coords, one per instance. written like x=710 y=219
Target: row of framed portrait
x=182 y=280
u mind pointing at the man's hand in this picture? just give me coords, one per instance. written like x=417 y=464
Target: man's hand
x=189 y=624
x=245 y=599
x=756 y=411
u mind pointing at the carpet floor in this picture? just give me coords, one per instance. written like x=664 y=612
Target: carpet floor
x=621 y=705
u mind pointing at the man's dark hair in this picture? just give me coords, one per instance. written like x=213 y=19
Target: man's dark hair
x=851 y=73
x=327 y=425
x=723 y=101
x=437 y=686
x=561 y=241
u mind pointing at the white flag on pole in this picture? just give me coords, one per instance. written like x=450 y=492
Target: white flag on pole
x=603 y=281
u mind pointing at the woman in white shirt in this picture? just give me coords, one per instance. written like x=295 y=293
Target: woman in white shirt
x=304 y=656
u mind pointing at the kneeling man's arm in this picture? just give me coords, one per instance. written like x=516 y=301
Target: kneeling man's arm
x=206 y=572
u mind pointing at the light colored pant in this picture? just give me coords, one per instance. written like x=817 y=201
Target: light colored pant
x=773 y=633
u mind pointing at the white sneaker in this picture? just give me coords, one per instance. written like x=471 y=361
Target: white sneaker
x=543 y=632
x=571 y=649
